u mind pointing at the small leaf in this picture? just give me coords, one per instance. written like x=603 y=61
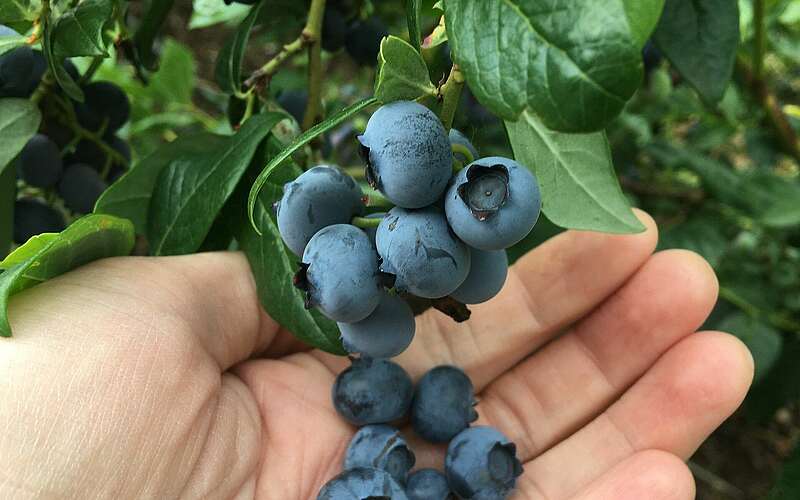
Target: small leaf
x=191 y=191
x=273 y=267
x=8 y=193
x=228 y=72
x=302 y=140
x=177 y=65
x=437 y=37
x=19 y=121
x=402 y=73
x=79 y=31
x=207 y=13
x=55 y=64
x=412 y=18
x=575 y=63
x=764 y=342
x=155 y=15
x=129 y=197
x=700 y=38
x=580 y=189
x=643 y=16
x=46 y=256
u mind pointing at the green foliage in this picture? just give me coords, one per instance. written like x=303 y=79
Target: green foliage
x=229 y=63
x=764 y=342
x=79 y=31
x=19 y=120
x=643 y=16
x=47 y=256
x=402 y=73
x=788 y=485
x=8 y=192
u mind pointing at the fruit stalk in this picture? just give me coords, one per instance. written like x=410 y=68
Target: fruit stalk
x=451 y=94
x=313 y=33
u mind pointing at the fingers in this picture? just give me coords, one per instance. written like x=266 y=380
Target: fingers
x=546 y=290
x=560 y=388
x=688 y=393
x=209 y=299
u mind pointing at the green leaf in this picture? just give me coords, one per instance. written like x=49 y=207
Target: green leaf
x=8 y=193
x=190 y=192
x=575 y=63
x=402 y=73
x=643 y=18
x=412 y=17
x=155 y=15
x=129 y=197
x=10 y=42
x=175 y=80
x=764 y=342
x=302 y=140
x=79 y=31
x=579 y=186
x=700 y=37
x=228 y=72
x=788 y=485
x=779 y=386
x=44 y=257
x=702 y=233
x=55 y=64
x=437 y=37
x=19 y=121
x=274 y=267
x=207 y=13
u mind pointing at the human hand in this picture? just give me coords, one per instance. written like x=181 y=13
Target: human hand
x=137 y=378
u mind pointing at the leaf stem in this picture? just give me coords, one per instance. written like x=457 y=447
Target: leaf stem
x=450 y=94
x=313 y=33
x=366 y=222
x=374 y=198
x=43 y=88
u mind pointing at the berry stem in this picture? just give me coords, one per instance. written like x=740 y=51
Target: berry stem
x=450 y=94
x=263 y=74
x=365 y=222
x=463 y=150
x=374 y=198
x=313 y=33
x=355 y=172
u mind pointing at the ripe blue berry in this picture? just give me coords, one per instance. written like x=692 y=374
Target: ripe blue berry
x=40 y=162
x=320 y=197
x=32 y=217
x=385 y=333
x=105 y=103
x=16 y=71
x=334 y=30
x=80 y=187
x=418 y=247
x=487 y=275
x=408 y=154
x=362 y=483
x=427 y=484
x=381 y=447
x=372 y=391
x=363 y=40
x=482 y=463
x=443 y=404
x=339 y=273
x=493 y=203
x=457 y=137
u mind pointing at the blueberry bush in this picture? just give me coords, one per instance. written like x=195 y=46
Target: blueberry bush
x=376 y=159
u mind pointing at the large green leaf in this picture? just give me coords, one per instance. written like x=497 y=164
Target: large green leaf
x=643 y=18
x=79 y=31
x=177 y=65
x=46 y=256
x=402 y=73
x=19 y=121
x=575 y=63
x=274 y=267
x=228 y=72
x=129 y=197
x=8 y=192
x=190 y=192
x=55 y=63
x=155 y=15
x=579 y=187
x=700 y=37
x=765 y=343
x=306 y=137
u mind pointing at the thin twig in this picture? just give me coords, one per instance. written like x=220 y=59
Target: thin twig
x=450 y=94
x=313 y=32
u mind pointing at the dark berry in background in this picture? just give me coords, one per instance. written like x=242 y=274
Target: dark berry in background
x=40 y=162
x=104 y=103
x=482 y=463
x=443 y=404
x=363 y=40
x=362 y=483
x=16 y=72
x=32 y=217
x=382 y=447
x=427 y=484
x=294 y=102
x=80 y=187
x=372 y=391
x=385 y=333
x=334 y=29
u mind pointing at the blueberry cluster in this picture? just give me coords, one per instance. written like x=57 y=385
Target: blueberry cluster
x=57 y=159
x=480 y=462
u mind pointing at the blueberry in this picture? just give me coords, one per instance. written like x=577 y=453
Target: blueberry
x=482 y=463
x=457 y=137
x=381 y=447
x=363 y=40
x=427 y=484
x=408 y=154
x=105 y=103
x=362 y=483
x=418 y=248
x=339 y=273
x=39 y=68
x=117 y=169
x=334 y=29
x=16 y=71
x=493 y=203
x=80 y=187
x=372 y=391
x=320 y=197
x=32 y=217
x=487 y=275
x=89 y=153
x=40 y=162
x=443 y=404
x=385 y=333
x=294 y=102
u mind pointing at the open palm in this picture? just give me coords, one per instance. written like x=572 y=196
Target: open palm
x=138 y=378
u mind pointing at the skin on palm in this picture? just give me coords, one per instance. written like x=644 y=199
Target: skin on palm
x=129 y=396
